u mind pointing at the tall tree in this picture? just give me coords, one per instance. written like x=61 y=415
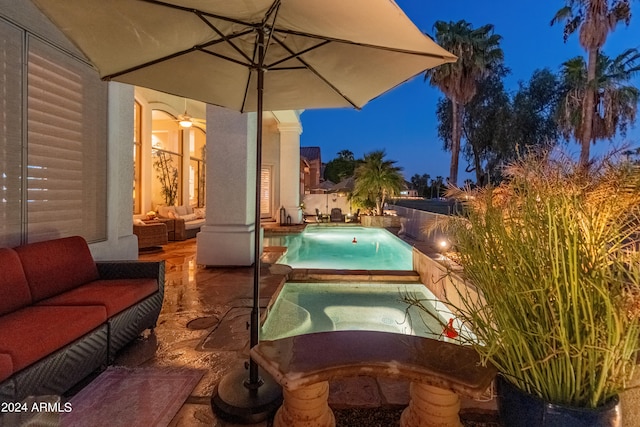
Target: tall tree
x=498 y=127
x=341 y=167
x=534 y=109
x=594 y=20
x=346 y=155
x=615 y=98
x=377 y=179
x=485 y=126
x=420 y=183
x=478 y=53
x=438 y=185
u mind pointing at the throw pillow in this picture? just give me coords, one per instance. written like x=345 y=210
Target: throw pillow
x=138 y=222
x=181 y=210
x=188 y=217
x=199 y=212
x=172 y=215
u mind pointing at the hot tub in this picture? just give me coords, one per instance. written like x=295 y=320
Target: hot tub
x=304 y=308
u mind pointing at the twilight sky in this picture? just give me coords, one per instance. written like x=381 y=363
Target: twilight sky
x=403 y=121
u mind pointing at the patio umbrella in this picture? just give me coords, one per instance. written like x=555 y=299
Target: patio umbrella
x=251 y=55
x=346 y=185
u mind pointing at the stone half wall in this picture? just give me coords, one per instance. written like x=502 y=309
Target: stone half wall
x=386 y=221
x=440 y=277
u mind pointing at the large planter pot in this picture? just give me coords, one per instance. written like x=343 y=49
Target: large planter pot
x=520 y=409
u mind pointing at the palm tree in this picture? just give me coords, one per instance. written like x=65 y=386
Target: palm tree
x=437 y=184
x=594 y=19
x=420 y=182
x=346 y=155
x=478 y=54
x=615 y=99
x=377 y=179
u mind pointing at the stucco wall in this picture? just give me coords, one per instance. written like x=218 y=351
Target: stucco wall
x=121 y=243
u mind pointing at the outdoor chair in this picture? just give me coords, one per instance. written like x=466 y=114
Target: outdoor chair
x=336 y=215
x=320 y=217
x=354 y=217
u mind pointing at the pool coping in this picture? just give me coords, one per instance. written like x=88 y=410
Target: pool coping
x=333 y=275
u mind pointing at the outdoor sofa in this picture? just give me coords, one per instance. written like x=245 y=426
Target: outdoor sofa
x=187 y=220
x=63 y=315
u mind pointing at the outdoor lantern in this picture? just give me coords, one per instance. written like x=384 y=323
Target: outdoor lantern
x=283 y=215
x=288 y=219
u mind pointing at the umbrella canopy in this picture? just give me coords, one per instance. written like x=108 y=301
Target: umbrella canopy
x=251 y=55
x=318 y=54
x=347 y=184
x=325 y=186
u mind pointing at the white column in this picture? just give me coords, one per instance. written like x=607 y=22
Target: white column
x=290 y=170
x=121 y=243
x=227 y=238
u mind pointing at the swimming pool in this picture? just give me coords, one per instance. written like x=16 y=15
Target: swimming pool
x=344 y=248
x=303 y=308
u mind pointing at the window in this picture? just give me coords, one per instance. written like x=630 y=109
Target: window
x=197 y=147
x=10 y=136
x=265 y=192
x=137 y=158
x=166 y=137
x=54 y=176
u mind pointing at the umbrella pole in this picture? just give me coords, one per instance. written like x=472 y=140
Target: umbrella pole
x=254 y=378
x=236 y=398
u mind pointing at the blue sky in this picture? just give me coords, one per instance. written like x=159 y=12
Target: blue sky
x=403 y=121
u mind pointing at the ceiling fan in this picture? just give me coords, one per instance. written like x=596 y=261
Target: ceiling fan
x=186 y=121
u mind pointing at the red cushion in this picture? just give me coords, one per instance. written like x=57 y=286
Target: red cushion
x=14 y=289
x=115 y=295
x=6 y=366
x=32 y=333
x=55 y=266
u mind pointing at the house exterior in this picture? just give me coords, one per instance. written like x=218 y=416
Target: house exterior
x=72 y=149
x=312 y=157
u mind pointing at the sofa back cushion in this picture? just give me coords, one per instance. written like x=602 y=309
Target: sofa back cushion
x=167 y=211
x=14 y=289
x=55 y=266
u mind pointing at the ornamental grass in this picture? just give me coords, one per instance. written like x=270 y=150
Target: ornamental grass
x=554 y=252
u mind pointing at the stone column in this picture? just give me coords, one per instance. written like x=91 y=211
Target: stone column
x=431 y=407
x=305 y=407
x=290 y=170
x=227 y=238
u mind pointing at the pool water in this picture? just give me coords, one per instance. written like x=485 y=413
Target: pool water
x=303 y=308
x=344 y=248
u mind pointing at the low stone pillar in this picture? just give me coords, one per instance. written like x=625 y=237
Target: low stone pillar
x=431 y=407
x=305 y=407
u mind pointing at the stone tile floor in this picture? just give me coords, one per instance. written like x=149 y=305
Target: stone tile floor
x=203 y=325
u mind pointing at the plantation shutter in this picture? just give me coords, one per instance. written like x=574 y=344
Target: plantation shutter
x=265 y=192
x=10 y=136
x=66 y=169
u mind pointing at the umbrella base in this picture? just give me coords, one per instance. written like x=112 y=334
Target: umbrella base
x=236 y=401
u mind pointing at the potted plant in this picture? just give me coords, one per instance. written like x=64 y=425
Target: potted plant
x=167 y=175
x=553 y=252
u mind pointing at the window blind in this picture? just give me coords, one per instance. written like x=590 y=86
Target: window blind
x=66 y=145
x=10 y=135
x=265 y=192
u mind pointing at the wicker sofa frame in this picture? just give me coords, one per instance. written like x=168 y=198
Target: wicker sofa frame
x=57 y=372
